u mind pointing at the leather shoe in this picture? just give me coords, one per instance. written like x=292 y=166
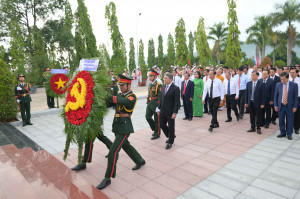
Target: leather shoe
x=155 y=137
x=23 y=124
x=104 y=183
x=281 y=135
x=190 y=119
x=138 y=166
x=168 y=146
x=267 y=126
x=251 y=130
x=289 y=137
x=185 y=118
x=216 y=126
x=29 y=123
x=228 y=120
x=237 y=118
x=274 y=122
x=209 y=113
x=210 y=129
x=167 y=141
x=79 y=167
x=296 y=131
x=258 y=131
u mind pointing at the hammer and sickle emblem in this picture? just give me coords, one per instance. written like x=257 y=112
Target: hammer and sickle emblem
x=80 y=97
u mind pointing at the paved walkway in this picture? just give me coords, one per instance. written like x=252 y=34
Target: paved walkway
x=228 y=163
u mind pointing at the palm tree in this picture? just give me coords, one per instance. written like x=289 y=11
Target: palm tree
x=218 y=33
x=259 y=33
x=288 y=12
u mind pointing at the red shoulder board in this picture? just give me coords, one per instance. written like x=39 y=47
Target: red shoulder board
x=130 y=98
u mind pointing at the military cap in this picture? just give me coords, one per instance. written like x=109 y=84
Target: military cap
x=124 y=79
x=153 y=72
x=47 y=69
x=20 y=75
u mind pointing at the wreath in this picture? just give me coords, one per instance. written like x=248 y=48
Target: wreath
x=85 y=108
x=58 y=83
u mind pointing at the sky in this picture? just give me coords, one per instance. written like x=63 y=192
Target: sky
x=160 y=17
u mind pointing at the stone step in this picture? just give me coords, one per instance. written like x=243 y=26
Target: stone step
x=12 y=182
x=59 y=173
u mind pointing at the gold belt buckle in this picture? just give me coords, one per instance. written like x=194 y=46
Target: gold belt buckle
x=150 y=98
x=117 y=115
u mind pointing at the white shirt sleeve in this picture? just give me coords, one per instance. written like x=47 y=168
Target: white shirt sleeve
x=204 y=92
x=237 y=90
x=221 y=87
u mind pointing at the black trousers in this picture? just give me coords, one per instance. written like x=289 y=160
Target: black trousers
x=188 y=107
x=231 y=104
x=241 y=102
x=255 y=116
x=213 y=107
x=50 y=101
x=169 y=130
x=274 y=114
x=266 y=114
x=205 y=105
x=297 y=118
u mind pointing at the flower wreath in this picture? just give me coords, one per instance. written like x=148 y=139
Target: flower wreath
x=58 y=83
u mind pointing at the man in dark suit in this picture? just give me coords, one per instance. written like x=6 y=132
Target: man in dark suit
x=187 y=95
x=276 y=79
x=269 y=97
x=286 y=104
x=168 y=108
x=255 y=100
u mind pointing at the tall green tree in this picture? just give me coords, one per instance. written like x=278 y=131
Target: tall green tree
x=160 y=51
x=104 y=55
x=132 y=64
x=171 y=51
x=260 y=33
x=218 y=33
x=233 y=49
x=118 y=59
x=180 y=43
x=202 y=46
x=191 y=48
x=288 y=12
x=142 y=63
x=17 y=48
x=151 y=53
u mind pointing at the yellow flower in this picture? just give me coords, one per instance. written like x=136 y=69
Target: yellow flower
x=80 y=97
x=60 y=83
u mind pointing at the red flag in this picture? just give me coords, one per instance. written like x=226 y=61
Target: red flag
x=257 y=60
x=190 y=63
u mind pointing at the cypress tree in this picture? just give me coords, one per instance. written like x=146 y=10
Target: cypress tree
x=180 y=43
x=160 y=51
x=171 y=51
x=131 y=65
x=142 y=63
x=191 y=47
x=151 y=54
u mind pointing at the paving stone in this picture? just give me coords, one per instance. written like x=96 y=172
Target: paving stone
x=244 y=196
x=236 y=175
x=195 y=193
x=287 y=165
x=250 y=163
x=298 y=195
x=256 y=158
x=216 y=189
x=243 y=169
x=273 y=145
x=284 y=173
x=262 y=153
x=290 y=160
x=280 y=180
x=227 y=182
x=274 y=188
x=260 y=194
x=268 y=149
x=293 y=155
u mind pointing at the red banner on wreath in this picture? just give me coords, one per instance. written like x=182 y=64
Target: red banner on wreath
x=58 y=83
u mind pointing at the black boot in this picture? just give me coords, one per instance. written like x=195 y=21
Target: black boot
x=138 y=166
x=104 y=183
x=79 y=167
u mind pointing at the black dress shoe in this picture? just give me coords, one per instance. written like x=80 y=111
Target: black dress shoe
x=79 y=167
x=155 y=137
x=241 y=117
x=296 y=131
x=281 y=135
x=185 y=118
x=216 y=126
x=237 y=118
x=274 y=122
x=103 y=184
x=289 y=137
x=267 y=126
x=209 y=113
x=190 y=119
x=210 y=129
x=138 y=166
x=258 y=131
x=228 y=120
x=29 y=123
x=23 y=124
x=167 y=141
x=168 y=146
x=251 y=130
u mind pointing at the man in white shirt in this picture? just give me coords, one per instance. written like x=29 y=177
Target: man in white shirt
x=177 y=82
x=225 y=70
x=192 y=77
x=215 y=90
x=232 y=95
x=205 y=79
x=294 y=78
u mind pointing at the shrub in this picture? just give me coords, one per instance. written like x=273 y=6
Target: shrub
x=279 y=63
x=265 y=61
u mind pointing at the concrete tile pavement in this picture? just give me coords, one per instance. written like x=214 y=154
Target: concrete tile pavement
x=227 y=163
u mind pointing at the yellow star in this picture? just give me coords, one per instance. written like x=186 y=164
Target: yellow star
x=60 y=83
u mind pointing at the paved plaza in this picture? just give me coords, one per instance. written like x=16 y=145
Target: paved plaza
x=227 y=163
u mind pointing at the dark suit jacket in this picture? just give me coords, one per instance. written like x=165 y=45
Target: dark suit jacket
x=270 y=90
x=293 y=100
x=170 y=102
x=276 y=79
x=259 y=94
x=189 y=91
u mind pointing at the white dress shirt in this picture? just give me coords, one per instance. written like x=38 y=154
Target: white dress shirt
x=297 y=81
x=218 y=89
x=234 y=87
x=192 y=77
x=205 y=78
x=177 y=81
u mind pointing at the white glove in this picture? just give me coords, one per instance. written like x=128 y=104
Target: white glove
x=18 y=100
x=19 y=88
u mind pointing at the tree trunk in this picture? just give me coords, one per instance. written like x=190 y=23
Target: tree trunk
x=218 y=57
x=274 y=54
x=257 y=52
x=290 y=44
x=263 y=52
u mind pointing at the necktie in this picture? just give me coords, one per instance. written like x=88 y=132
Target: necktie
x=253 y=89
x=206 y=78
x=211 y=89
x=285 y=95
x=293 y=80
x=173 y=79
x=184 y=87
x=239 y=81
x=166 y=89
x=228 y=90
